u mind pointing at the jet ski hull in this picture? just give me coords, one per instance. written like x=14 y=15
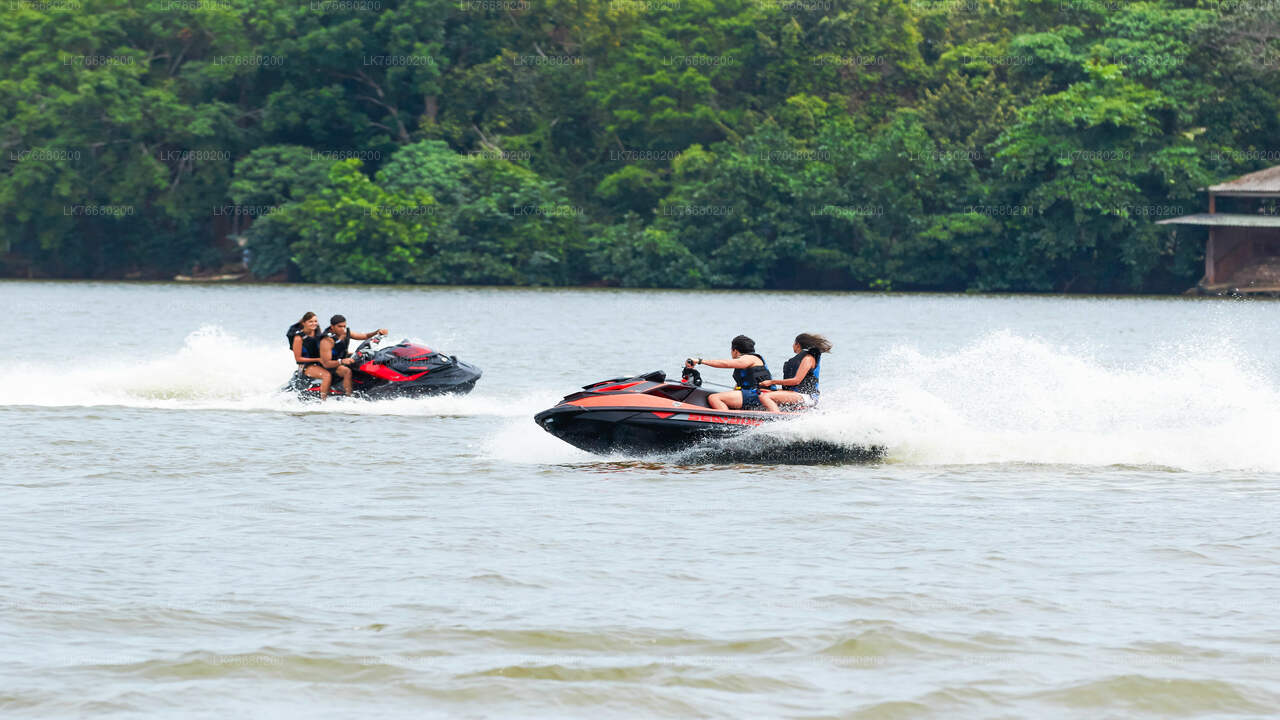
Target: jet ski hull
x=375 y=389
x=405 y=370
x=647 y=415
x=633 y=429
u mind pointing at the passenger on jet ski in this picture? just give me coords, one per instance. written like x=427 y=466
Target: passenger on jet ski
x=800 y=372
x=333 y=353
x=304 y=340
x=749 y=372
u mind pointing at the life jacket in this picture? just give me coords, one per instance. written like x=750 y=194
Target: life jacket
x=310 y=343
x=749 y=379
x=339 y=346
x=808 y=386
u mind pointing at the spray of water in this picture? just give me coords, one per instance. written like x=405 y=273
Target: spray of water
x=1001 y=399
x=1009 y=399
x=214 y=371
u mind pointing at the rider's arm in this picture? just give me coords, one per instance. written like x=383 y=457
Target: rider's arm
x=366 y=336
x=326 y=354
x=801 y=373
x=745 y=361
x=297 y=351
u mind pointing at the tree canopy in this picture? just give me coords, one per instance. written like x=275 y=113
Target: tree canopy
x=853 y=144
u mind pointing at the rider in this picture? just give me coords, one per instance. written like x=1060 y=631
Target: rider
x=800 y=372
x=304 y=340
x=333 y=353
x=749 y=372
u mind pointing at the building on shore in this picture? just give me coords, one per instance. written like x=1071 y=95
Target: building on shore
x=1242 y=254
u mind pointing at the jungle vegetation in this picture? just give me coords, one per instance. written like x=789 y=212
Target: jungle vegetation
x=983 y=145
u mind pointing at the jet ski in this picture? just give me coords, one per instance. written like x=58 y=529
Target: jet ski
x=402 y=370
x=648 y=414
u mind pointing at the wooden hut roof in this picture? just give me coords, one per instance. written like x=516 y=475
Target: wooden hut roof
x=1261 y=183
x=1225 y=220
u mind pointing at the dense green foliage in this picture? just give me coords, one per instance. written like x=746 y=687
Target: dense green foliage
x=904 y=144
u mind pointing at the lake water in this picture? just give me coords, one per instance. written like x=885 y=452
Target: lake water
x=1076 y=518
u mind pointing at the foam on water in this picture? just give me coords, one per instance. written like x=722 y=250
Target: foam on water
x=213 y=370
x=1010 y=399
x=521 y=441
x=1002 y=399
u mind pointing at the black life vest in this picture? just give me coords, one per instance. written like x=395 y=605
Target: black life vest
x=339 y=346
x=808 y=386
x=748 y=379
x=310 y=343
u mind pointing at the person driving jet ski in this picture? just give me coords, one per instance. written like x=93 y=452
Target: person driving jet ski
x=749 y=372
x=334 y=343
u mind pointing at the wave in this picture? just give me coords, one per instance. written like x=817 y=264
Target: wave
x=214 y=370
x=1002 y=399
x=1009 y=399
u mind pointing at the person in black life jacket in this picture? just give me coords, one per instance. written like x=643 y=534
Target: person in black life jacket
x=334 y=344
x=800 y=373
x=304 y=340
x=749 y=371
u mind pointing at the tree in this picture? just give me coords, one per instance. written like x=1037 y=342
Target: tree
x=355 y=231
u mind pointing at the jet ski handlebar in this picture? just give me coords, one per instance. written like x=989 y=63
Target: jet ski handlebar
x=691 y=376
x=363 y=348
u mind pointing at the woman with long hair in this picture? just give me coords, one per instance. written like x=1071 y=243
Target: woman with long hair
x=800 y=373
x=304 y=340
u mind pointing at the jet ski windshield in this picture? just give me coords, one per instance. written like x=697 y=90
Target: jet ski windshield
x=407 y=358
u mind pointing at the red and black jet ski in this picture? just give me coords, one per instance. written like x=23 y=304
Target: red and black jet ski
x=402 y=370
x=648 y=414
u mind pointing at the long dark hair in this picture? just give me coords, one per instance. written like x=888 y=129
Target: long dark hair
x=810 y=341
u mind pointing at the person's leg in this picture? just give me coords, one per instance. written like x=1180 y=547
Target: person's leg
x=325 y=381
x=728 y=400
x=767 y=401
x=784 y=397
x=315 y=371
x=345 y=372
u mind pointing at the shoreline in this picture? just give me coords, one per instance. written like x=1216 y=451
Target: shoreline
x=1191 y=294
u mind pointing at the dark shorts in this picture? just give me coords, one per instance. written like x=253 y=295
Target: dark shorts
x=751 y=400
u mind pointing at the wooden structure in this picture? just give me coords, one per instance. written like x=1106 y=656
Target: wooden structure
x=1243 y=250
